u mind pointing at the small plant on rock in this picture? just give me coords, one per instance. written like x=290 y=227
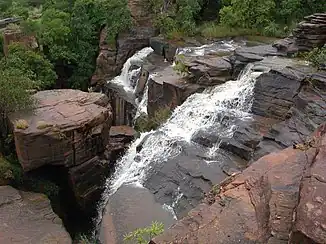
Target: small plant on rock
x=43 y=125
x=21 y=124
x=144 y=235
x=179 y=65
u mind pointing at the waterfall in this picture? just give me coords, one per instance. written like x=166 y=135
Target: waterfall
x=232 y=99
x=125 y=78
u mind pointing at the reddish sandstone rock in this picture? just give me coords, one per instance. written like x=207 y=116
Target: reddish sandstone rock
x=278 y=199
x=27 y=217
x=67 y=127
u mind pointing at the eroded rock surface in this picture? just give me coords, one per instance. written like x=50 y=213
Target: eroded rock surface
x=278 y=199
x=67 y=128
x=28 y=218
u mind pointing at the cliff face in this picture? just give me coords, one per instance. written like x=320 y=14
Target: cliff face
x=279 y=199
x=112 y=56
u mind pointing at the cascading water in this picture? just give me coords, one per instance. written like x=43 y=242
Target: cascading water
x=124 y=80
x=199 y=111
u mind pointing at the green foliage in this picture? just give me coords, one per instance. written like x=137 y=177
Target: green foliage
x=180 y=16
x=317 y=57
x=14 y=95
x=144 y=235
x=180 y=67
x=214 y=30
x=33 y=65
x=248 y=13
x=144 y=123
x=271 y=16
x=84 y=239
x=6 y=172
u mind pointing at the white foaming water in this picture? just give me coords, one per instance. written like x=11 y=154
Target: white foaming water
x=125 y=78
x=232 y=99
x=221 y=46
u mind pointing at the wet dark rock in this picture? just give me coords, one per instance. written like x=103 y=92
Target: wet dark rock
x=88 y=181
x=272 y=201
x=244 y=55
x=131 y=207
x=120 y=138
x=168 y=89
x=210 y=71
x=163 y=48
x=122 y=103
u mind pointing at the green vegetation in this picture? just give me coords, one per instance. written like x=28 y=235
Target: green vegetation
x=144 y=235
x=11 y=173
x=180 y=67
x=6 y=171
x=236 y=17
x=67 y=33
x=144 y=123
x=317 y=57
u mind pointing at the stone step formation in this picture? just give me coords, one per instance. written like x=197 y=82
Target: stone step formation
x=308 y=34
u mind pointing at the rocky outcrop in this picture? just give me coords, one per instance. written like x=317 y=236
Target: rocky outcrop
x=122 y=103
x=168 y=89
x=120 y=138
x=10 y=36
x=112 y=56
x=308 y=34
x=278 y=199
x=67 y=128
x=28 y=218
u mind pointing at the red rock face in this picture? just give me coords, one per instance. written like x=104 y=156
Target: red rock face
x=279 y=199
x=67 y=127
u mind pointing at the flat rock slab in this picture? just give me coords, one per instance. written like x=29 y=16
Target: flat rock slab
x=27 y=217
x=67 y=127
x=131 y=207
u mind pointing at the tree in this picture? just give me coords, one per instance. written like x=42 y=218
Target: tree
x=33 y=65
x=14 y=91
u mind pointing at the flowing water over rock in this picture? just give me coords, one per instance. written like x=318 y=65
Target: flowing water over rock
x=221 y=105
x=170 y=164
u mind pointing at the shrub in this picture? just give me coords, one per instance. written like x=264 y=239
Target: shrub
x=6 y=171
x=43 y=125
x=144 y=235
x=179 y=65
x=21 y=124
x=143 y=123
x=317 y=57
x=248 y=13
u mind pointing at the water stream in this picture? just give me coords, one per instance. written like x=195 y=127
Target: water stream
x=201 y=110
x=218 y=107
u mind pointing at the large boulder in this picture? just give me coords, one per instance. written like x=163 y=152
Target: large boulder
x=278 y=199
x=67 y=128
x=168 y=89
x=27 y=217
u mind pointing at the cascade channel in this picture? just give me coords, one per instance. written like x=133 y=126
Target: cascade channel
x=160 y=176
